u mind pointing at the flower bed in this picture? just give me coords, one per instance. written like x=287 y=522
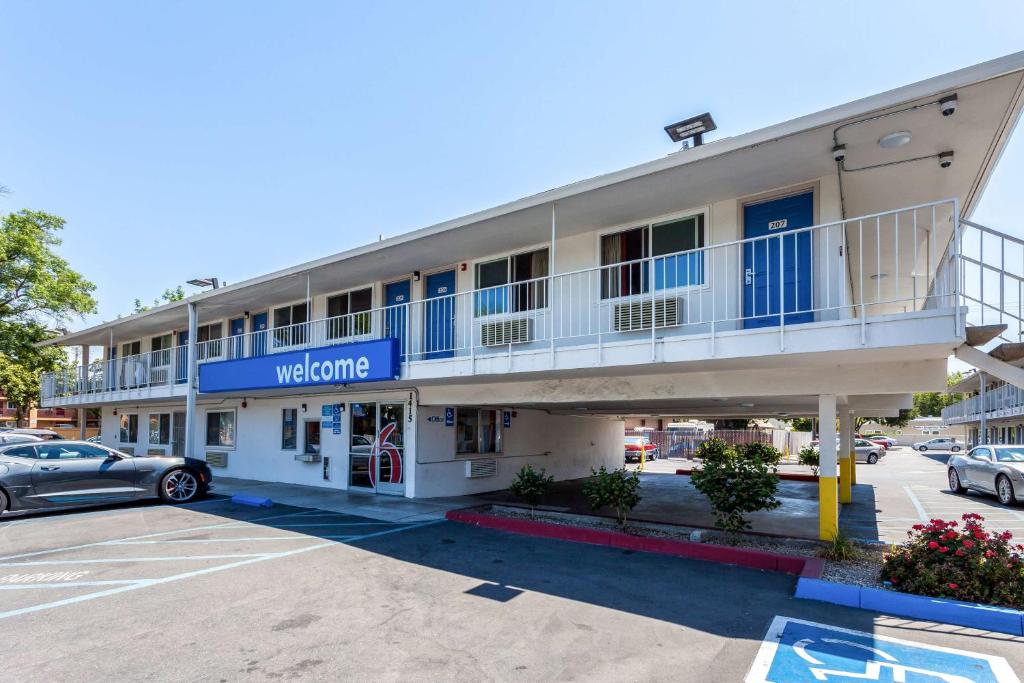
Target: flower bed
x=965 y=562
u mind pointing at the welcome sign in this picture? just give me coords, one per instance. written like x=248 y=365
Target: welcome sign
x=370 y=361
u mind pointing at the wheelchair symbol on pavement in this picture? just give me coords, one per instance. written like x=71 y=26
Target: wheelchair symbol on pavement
x=794 y=650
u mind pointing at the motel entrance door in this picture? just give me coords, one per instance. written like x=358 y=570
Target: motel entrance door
x=377 y=447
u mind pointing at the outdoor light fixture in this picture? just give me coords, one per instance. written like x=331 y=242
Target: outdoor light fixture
x=894 y=140
x=415 y=276
x=246 y=314
x=692 y=128
x=204 y=282
x=303 y=407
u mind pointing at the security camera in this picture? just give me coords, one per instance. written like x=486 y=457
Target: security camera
x=947 y=105
x=945 y=159
x=839 y=152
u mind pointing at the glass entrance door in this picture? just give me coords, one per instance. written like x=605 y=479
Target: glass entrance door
x=377 y=447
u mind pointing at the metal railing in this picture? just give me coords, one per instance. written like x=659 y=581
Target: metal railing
x=885 y=263
x=1003 y=401
x=992 y=272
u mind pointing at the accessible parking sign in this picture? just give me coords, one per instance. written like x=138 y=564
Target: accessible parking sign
x=794 y=651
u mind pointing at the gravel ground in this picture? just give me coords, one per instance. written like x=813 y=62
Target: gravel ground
x=861 y=571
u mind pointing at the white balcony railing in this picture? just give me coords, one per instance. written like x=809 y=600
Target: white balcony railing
x=1003 y=401
x=880 y=264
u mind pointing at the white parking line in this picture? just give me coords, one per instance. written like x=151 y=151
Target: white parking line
x=68 y=584
x=213 y=540
x=921 y=514
x=154 y=582
x=132 y=538
x=178 y=558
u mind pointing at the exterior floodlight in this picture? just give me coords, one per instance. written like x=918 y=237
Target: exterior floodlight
x=894 y=140
x=204 y=282
x=691 y=128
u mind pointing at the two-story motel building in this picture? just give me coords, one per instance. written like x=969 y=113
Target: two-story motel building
x=814 y=267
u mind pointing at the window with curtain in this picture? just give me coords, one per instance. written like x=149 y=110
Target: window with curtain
x=129 y=432
x=211 y=333
x=625 y=273
x=349 y=313
x=477 y=431
x=161 y=350
x=512 y=283
x=160 y=429
x=220 y=428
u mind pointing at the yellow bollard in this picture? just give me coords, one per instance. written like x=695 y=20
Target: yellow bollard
x=828 y=508
x=643 y=456
x=846 y=480
x=853 y=468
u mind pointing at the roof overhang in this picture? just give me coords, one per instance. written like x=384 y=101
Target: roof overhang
x=789 y=153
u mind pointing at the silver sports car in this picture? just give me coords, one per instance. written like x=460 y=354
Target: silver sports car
x=56 y=474
x=991 y=469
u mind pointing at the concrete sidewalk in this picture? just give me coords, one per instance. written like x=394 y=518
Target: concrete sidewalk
x=375 y=506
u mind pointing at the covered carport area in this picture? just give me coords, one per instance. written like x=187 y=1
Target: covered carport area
x=826 y=388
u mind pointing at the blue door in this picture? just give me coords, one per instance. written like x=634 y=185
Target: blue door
x=236 y=328
x=180 y=356
x=764 y=296
x=396 y=313
x=439 y=318
x=259 y=334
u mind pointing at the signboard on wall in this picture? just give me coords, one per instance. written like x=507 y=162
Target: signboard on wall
x=358 y=362
x=449 y=417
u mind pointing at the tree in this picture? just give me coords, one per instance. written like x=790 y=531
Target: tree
x=39 y=291
x=802 y=424
x=737 y=480
x=169 y=296
x=931 y=403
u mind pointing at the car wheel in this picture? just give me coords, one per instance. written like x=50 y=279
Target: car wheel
x=922 y=448
x=954 y=482
x=179 y=486
x=1004 y=489
x=955 y=449
x=3 y=502
x=872 y=458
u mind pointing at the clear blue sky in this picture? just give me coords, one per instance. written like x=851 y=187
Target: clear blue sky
x=184 y=139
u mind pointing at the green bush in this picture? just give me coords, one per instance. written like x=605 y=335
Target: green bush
x=971 y=564
x=530 y=486
x=840 y=548
x=737 y=481
x=810 y=457
x=616 y=489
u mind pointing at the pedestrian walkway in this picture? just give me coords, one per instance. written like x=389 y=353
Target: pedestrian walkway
x=373 y=506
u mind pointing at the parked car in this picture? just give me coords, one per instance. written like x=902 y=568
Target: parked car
x=886 y=441
x=57 y=474
x=44 y=434
x=95 y=439
x=989 y=469
x=11 y=437
x=864 y=450
x=942 y=443
x=633 y=446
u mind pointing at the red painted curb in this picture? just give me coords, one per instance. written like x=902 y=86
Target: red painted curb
x=756 y=559
x=787 y=476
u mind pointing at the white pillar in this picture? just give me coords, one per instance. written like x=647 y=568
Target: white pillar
x=828 y=493
x=83 y=386
x=190 y=383
x=983 y=431
x=845 y=457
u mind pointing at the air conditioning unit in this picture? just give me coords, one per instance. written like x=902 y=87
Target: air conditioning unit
x=214 y=459
x=636 y=315
x=503 y=332
x=130 y=450
x=481 y=468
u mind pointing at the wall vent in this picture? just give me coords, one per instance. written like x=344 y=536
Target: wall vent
x=503 y=332
x=481 y=468
x=216 y=459
x=636 y=315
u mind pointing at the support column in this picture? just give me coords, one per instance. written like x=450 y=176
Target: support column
x=853 y=449
x=190 y=382
x=82 y=386
x=828 y=493
x=845 y=456
x=982 y=408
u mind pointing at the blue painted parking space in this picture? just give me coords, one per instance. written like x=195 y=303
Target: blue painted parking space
x=794 y=650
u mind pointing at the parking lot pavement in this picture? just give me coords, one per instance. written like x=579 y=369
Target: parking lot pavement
x=908 y=487
x=218 y=592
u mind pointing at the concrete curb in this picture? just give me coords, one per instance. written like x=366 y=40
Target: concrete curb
x=754 y=559
x=785 y=476
x=986 y=617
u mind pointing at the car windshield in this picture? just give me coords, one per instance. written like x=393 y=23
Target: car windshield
x=1010 y=454
x=636 y=440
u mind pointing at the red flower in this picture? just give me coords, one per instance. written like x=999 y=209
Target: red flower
x=959 y=553
x=943 y=549
x=968 y=543
x=933 y=544
x=918 y=527
x=989 y=553
x=953 y=586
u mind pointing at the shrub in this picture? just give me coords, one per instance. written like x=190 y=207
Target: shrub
x=530 y=486
x=737 y=481
x=616 y=489
x=840 y=548
x=809 y=456
x=941 y=560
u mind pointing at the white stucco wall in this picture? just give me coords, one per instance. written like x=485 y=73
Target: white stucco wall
x=576 y=445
